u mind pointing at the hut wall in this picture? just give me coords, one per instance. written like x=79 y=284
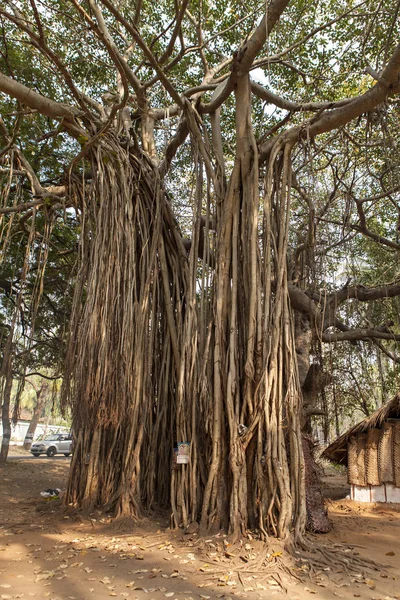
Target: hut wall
x=356 y=461
x=371 y=457
x=352 y=472
x=392 y=493
x=374 y=464
x=386 y=492
x=385 y=454
x=396 y=453
x=378 y=493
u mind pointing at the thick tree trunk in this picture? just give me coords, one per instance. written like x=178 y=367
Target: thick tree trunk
x=138 y=337
x=312 y=381
x=144 y=345
x=317 y=514
x=256 y=388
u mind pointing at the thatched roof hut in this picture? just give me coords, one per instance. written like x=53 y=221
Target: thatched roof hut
x=338 y=451
x=371 y=451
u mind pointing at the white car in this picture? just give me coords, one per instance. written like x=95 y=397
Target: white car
x=57 y=443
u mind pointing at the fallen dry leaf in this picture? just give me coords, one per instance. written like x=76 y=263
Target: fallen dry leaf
x=45 y=575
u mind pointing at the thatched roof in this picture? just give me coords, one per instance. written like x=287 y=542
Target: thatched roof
x=337 y=451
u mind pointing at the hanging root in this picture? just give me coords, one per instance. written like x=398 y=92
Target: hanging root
x=119 y=377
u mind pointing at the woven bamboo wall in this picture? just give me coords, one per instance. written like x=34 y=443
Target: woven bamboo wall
x=374 y=457
x=385 y=454
x=396 y=453
x=371 y=457
x=356 y=461
x=352 y=472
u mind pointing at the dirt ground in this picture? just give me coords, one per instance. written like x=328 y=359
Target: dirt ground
x=46 y=552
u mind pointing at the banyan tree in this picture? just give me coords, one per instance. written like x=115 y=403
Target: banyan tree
x=204 y=148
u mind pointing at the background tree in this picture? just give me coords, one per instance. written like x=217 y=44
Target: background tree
x=35 y=294
x=41 y=396
x=272 y=129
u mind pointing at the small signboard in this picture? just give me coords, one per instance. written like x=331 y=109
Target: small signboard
x=183 y=456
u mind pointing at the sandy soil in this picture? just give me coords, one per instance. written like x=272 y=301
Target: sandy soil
x=46 y=552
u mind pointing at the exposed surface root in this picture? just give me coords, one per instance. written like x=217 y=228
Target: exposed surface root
x=272 y=565
x=337 y=558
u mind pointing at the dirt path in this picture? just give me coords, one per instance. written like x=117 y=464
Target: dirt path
x=47 y=553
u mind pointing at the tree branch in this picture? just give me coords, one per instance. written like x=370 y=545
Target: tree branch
x=101 y=31
x=272 y=98
x=362 y=228
x=356 y=335
x=175 y=33
x=39 y=42
x=50 y=108
x=21 y=207
x=300 y=301
x=388 y=85
x=172 y=148
x=42 y=375
x=382 y=348
x=146 y=51
x=277 y=57
x=246 y=54
x=363 y=294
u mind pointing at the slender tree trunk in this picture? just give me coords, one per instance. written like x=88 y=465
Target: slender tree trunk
x=336 y=412
x=6 y=383
x=37 y=411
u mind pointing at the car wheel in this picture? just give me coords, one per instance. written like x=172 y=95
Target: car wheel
x=67 y=453
x=35 y=454
x=51 y=451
